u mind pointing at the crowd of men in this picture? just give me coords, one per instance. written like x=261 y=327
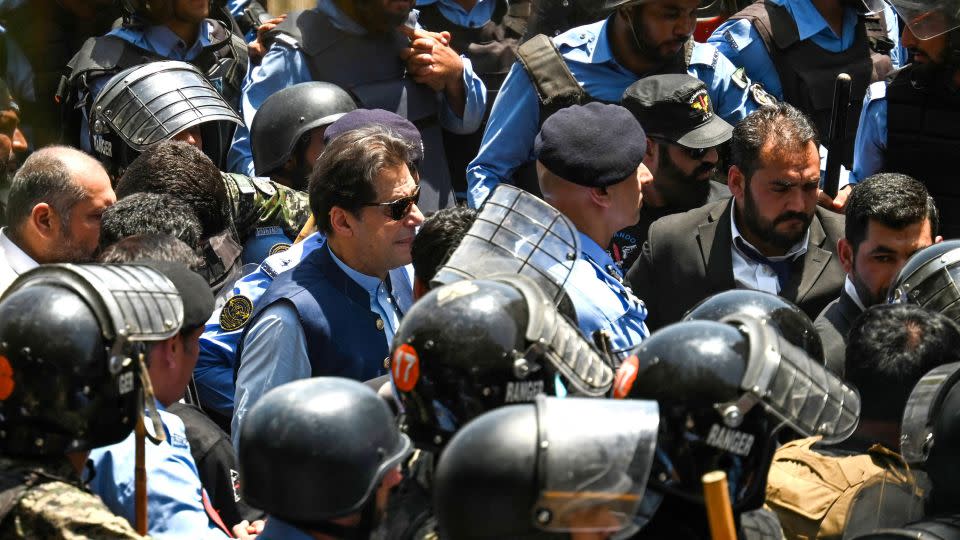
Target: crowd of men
x=460 y=269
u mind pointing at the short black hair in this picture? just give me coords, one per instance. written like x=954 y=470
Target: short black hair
x=43 y=177
x=892 y=199
x=439 y=235
x=891 y=346
x=143 y=213
x=151 y=247
x=782 y=124
x=345 y=173
x=179 y=169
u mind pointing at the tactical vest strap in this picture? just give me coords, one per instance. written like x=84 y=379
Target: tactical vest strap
x=555 y=85
x=776 y=27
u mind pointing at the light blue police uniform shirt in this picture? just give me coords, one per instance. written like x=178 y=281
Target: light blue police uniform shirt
x=283 y=66
x=454 y=12
x=871 y=144
x=602 y=301
x=218 y=347
x=157 y=39
x=515 y=119
x=174 y=493
x=275 y=347
x=739 y=41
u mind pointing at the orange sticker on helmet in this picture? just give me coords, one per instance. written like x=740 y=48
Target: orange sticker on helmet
x=626 y=376
x=405 y=368
x=6 y=378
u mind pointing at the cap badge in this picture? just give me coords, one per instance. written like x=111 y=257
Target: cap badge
x=701 y=102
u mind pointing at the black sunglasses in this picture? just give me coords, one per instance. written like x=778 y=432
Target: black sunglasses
x=399 y=208
x=692 y=153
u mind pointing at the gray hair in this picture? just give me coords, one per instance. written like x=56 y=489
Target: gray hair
x=44 y=178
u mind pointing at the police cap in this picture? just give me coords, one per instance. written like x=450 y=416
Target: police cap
x=594 y=145
x=676 y=107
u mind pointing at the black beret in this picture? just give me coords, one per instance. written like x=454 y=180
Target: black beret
x=194 y=291
x=594 y=145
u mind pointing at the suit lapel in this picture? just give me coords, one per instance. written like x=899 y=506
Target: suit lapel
x=849 y=309
x=814 y=260
x=715 y=239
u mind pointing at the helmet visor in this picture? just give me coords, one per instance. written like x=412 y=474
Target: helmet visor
x=916 y=430
x=594 y=460
x=928 y=18
x=156 y=101
x=516 y=233
x=794 y=388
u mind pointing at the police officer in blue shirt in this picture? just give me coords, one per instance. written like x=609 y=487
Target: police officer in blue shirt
x=366 y=49
x=796 y=48
x=165 y=30
x=908 y=123
x=488 y=32
x=587 y=160
x=640 y=38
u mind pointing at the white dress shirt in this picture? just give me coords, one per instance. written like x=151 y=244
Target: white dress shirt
x=751 y=274
x=13 y=261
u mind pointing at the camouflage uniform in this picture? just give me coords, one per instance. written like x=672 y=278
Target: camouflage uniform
x=46 y=499
x=258 y=202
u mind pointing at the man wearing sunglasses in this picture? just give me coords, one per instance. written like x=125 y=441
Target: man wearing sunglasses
x=337 y=311
x=683 y=136
x=770 y=236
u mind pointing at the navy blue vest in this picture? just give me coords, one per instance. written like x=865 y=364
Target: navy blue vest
x=344 y=338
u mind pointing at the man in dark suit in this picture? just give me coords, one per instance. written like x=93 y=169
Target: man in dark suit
x=336 y=312
x=889 y=217
x=769 y=236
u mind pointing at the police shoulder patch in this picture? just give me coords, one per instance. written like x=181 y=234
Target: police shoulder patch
x=761 y=96
x=279 y=247
x=235 y=313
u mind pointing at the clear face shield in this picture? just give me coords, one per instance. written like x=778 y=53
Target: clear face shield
x=791 y=386
x=594 y=458
x=916 y=430
x=516 y=233
x=932 y=286
x=584 y=371
x=135 y=305
x=928 y=19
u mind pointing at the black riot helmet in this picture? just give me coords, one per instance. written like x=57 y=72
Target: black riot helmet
x=945 y=527
x=930 y=434
x=317 y=449
x=929 y=279
x=725 y=388
x=792 y=323
x=72 y=340
x=546 y=469
x=475 y=345
x=286 y=116
x=149 y=103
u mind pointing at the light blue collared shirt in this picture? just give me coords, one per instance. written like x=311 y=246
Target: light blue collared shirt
x=174 y=493
x=515 y=118
x=454 y=12
x=869 y=150
x=739 y=41
x=381 y=302
x=218 y=347
x=602 y=301
x=751 y=274
x=283 y=66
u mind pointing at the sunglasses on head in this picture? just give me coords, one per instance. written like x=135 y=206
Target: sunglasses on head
x=399 y=208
